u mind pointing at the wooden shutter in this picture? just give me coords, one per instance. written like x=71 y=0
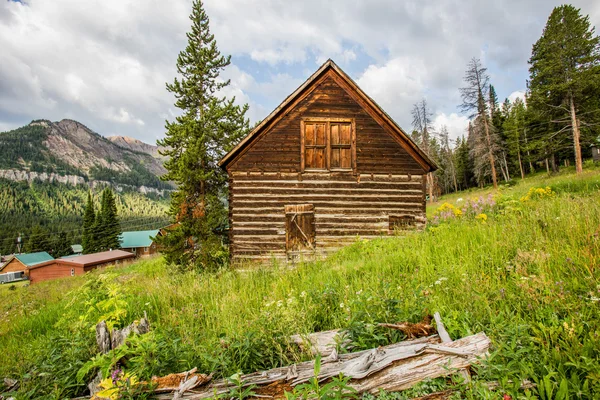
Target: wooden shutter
x=401 y=222
x=300 y=227
x=315 y=145
x=341 y=145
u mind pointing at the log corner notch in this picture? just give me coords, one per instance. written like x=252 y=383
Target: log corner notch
x=392 y=368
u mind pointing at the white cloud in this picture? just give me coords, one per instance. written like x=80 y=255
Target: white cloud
x=395 y=86
x=516 y=94
x=456 y=124
x=105 y=62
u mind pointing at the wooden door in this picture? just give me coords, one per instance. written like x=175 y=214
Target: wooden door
x=299 y=228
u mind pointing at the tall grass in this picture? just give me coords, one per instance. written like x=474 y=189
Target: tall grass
x=527 y=277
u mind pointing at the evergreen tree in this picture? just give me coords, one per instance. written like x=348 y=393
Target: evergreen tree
x=565 y=74
x=514 y=127
x=448 y=173
x=464 y=168
x=88 y=240
x=38 y=240
x=424 y=133
x=108 y=228
x=207 y=129
x=61 y=246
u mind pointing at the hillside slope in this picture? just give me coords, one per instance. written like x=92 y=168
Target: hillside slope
x=70 y=148
x=527 y=274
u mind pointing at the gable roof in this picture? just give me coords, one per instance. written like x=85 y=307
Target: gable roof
x=88 y=260
x=137 y=238
x=6 y=261
x=30 y=259
x=362 y=98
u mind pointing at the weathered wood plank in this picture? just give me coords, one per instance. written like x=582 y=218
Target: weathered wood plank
x=392 y=368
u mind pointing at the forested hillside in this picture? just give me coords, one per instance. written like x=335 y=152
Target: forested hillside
x=52 y=210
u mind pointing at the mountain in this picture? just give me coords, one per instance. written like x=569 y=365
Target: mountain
x=136 y=145
x=69 y=152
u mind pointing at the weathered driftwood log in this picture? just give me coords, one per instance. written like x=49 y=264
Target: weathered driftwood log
x=447 y=339
x=107 y=341
x=394 y=367
x=322 y=343
x=102 y=337
x=118 y=336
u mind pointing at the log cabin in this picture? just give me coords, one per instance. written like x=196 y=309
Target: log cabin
x=139 y=243
x=22 y=262
x=77 y=265
x=326 y=166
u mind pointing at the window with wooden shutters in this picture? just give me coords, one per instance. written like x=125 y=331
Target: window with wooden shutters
x=315 y=145
x=400 y=222
x=341 y=145
x=328 y=144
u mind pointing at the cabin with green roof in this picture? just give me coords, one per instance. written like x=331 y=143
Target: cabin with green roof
x=21 y=262
x=140 y=243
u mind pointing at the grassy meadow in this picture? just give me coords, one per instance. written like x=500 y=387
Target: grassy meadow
x=521 y=264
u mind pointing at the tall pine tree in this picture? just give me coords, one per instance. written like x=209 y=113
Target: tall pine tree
x=565 y=74
x=89 y=221
x=206 y=130
x=109 y=229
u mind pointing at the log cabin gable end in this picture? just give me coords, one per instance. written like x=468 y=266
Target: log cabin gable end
x=327 y=142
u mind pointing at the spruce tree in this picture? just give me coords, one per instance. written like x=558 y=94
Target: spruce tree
x=110 y=229
x=514 y=127
x=89 y=221
x=38 y=240
x=565 y=73
x=208 y=127
x=61 y=246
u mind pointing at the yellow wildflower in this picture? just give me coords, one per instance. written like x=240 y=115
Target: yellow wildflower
x=482 y=217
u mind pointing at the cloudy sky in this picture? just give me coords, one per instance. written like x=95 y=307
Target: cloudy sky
x=105 y=62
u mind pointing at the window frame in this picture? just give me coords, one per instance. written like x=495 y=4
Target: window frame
x=401 y=222
x=328 y=122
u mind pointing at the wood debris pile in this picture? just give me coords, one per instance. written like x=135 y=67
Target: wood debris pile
x=391 y=368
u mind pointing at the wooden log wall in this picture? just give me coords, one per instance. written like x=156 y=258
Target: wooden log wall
x=345 y=207
x=267 y=176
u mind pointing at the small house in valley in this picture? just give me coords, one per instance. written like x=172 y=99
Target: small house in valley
x=21 y=262
x=77 y=265
x=327 y=165
x=139 y=243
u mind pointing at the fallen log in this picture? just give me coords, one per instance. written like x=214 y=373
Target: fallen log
x=391 y=368
x=465 y=373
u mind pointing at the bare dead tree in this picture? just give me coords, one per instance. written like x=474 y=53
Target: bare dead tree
x=474 y=97
x=450 y=172
x=422 y=123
